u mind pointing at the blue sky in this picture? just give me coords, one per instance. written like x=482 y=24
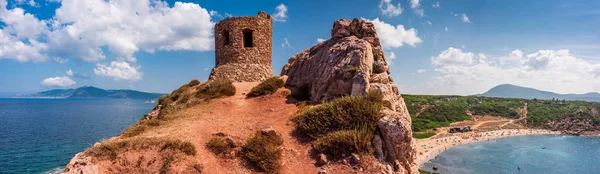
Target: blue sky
x=436 y=46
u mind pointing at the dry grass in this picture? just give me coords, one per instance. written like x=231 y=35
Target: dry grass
x=345 y=142
x=345 y=113
x=266 y=87
x=220 y=144
x=262 y=151
x=215 y=89
x=140 y=127
x=111 y=149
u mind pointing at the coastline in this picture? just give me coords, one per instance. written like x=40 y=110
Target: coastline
x=429 y=148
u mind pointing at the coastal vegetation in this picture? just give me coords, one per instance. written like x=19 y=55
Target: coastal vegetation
x=268 y=86
x=220 y=144
x=423 y=135
x=342 y=126
x=429 y=111
x=186 y=96
x=111 y=149
x=263 y=151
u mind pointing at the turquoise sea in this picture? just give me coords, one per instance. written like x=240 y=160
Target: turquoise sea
x=530 y=154
x=40 y=135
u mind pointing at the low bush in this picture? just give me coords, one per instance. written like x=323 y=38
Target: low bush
x=181 y=146
x=418 y=135
x=110 y=150
x=220 y=145
x=193 y=83
x=266 y=87
x=338 y=143
x=262 y=151
x=140 y=127
x=215 y=89
x=344 y=113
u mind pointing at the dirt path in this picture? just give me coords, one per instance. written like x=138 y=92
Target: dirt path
x=241 y=118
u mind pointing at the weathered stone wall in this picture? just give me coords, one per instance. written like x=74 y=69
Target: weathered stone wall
x=239 y=63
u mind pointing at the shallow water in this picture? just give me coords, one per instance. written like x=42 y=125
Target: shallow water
x=542 y=154
x=39 y=135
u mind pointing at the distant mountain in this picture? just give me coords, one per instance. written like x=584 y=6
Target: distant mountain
x=513 y=91
x=93 y=92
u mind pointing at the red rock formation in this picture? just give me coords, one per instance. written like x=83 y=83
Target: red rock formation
x=352 y=63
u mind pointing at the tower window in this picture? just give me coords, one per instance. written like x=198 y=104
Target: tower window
x=225 y=38
x=248 y=38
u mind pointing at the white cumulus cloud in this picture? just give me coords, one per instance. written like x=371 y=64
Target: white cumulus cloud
x=118 y=70
x=58 y=82
x=469 y=73
x=81 y=29
x=70 y=72
x=465 y=18
x=281 y=14
x=414 y=4
x=421 y=71
x=391 y=57
x=393 y=37
x=319 y=40
x=388 y=9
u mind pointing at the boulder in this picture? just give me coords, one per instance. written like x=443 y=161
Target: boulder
x=81 y=163
x=352 y=63
x=399 y=146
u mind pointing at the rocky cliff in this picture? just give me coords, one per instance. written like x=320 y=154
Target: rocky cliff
x=352 y=63
x=178 y=135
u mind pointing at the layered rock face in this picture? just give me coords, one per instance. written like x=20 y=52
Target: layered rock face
x=352 y=63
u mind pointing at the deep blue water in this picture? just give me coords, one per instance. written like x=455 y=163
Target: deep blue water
x=544 y=154
x=38 y=135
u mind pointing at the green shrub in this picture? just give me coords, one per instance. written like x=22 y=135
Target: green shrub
x=110 y=149
x=338 y=143
x=215 y=89
x=193 y=83
x=268 y=86
x=262 y=151
x=182 y=146
x=344 y=113
x=220 y=145
x=423 y=135
x=164 y=100
x=140 y=127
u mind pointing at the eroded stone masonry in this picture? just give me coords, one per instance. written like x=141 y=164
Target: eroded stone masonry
x=243 y=48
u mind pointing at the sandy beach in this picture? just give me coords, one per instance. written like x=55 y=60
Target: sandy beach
x=430 y=147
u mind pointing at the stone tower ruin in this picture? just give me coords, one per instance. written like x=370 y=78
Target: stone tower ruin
x=243 y=48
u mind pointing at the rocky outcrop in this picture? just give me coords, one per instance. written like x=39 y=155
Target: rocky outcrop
x=352 y=63
x=81 y=163
x=573 y=126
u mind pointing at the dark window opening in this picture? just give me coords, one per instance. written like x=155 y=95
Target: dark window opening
x=225 y=37
x=248 y=38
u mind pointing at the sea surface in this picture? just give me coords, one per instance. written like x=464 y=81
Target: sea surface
x=39 y=135
x=544 y=154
